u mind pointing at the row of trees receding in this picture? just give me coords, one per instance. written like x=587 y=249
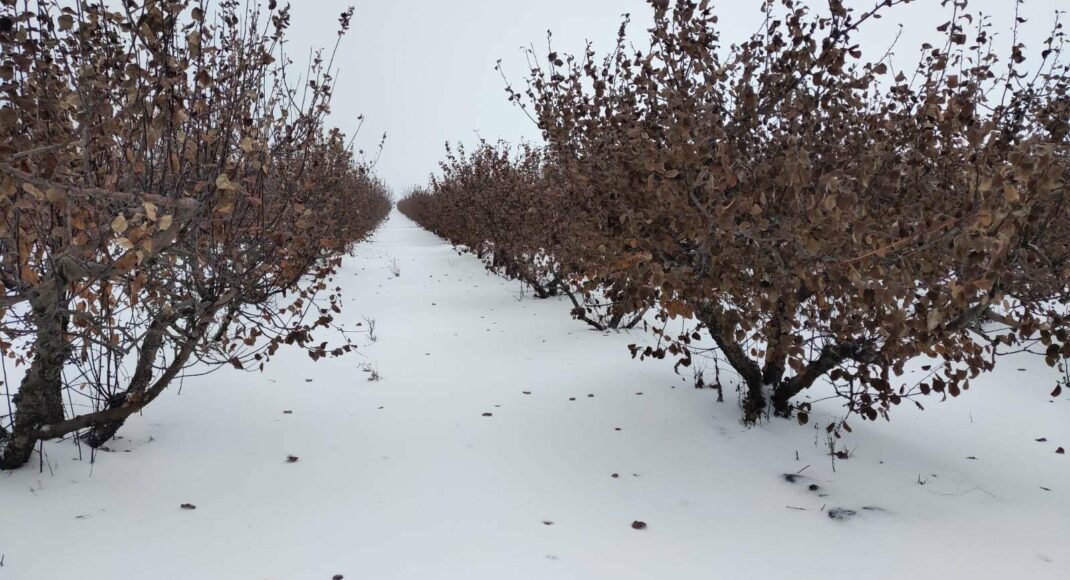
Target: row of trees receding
x=168 y=197
x=817 y=215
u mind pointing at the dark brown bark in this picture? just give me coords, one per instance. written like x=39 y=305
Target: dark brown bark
x=133 y=404
x=580 y=313
x=40 y=397
x=832 y=355
x=135 y=391
x=723 y=335
x=775 y=353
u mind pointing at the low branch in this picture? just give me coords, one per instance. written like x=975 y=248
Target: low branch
x=97 y=192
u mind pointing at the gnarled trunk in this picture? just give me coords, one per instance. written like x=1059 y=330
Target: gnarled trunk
x=135 y=391
x=39 y=401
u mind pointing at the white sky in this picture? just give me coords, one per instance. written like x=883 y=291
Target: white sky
x=423 y=70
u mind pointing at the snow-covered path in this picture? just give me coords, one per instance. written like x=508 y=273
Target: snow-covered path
x=506 y=441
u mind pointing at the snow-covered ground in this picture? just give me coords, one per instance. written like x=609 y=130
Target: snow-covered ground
x=507 y=441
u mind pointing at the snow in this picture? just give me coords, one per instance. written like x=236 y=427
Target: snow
x=405 y=478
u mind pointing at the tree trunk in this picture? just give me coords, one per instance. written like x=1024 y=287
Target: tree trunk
x=136 y=401
x=723 y=335
x=150 y=347
x=580 y=313
x=39 y=401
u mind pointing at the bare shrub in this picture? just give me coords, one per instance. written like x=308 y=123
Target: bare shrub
x=372 y=372
x=369 y=328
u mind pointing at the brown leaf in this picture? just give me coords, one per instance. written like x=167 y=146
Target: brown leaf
x=118 y=225
x=1010 y=193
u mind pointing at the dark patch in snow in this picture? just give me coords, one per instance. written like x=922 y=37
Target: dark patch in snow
x=841 y=514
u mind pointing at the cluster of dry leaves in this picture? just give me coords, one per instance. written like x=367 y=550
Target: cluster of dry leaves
x=167 y=197
x=818 y=215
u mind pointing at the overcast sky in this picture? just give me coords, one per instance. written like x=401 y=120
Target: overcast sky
x=423 y=70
